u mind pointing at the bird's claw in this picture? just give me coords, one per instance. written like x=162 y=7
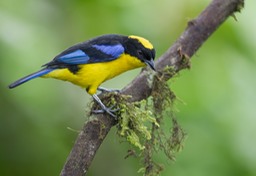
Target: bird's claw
x=102 y=89
x=109 y=111
x=103 y=109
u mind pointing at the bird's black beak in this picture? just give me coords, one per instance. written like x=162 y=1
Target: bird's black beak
x=151 y=64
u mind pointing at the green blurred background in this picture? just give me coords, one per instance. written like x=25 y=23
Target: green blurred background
x=218 y=92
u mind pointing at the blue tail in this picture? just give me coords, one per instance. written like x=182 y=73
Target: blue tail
x=29 y=77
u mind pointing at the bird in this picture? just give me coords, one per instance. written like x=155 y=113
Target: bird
x=88 y=64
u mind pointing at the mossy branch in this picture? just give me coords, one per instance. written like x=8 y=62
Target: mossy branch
x=177 y=56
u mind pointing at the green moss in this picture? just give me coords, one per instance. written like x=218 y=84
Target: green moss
x=167 y=141
x=134 y=121
x=142 y=123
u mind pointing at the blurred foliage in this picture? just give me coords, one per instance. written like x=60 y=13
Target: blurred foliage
x=217 y=107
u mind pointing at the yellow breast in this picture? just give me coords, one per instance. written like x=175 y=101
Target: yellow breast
x=90 y=76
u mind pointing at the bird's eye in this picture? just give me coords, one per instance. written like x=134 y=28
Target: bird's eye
x=140 y=53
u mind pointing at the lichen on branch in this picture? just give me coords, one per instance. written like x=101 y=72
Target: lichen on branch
x=141 y=123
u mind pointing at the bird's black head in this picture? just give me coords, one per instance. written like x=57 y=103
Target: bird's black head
x=141 y=49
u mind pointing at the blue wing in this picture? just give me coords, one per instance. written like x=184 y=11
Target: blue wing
x=112 y=50
x=83 y=54
x=75 y=57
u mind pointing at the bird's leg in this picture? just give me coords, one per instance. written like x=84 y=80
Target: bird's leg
x=103 y=109
x=102 y=89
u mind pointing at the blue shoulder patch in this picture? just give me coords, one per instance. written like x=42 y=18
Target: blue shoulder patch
x=113 y=50
x=75 y=57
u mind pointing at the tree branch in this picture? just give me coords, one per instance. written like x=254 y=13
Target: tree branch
x=196 y=33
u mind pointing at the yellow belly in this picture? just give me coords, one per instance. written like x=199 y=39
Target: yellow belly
x=90 y=76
